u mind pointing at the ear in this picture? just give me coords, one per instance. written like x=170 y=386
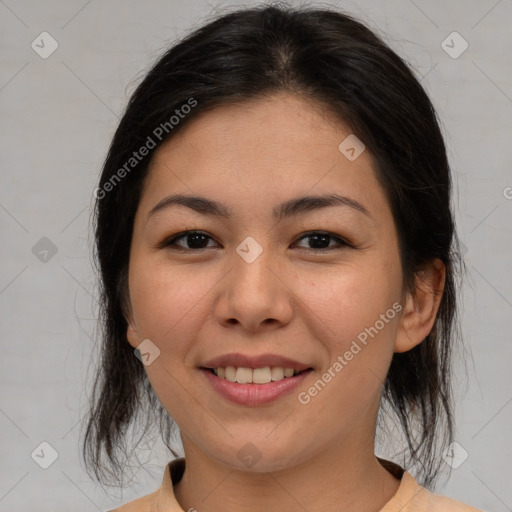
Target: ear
x=127 y=310
x=421 y=306
x=132 y=335
x=131 y=330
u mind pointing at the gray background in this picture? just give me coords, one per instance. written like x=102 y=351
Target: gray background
x=58 y=115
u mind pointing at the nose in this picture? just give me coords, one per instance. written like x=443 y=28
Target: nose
x=255 y=295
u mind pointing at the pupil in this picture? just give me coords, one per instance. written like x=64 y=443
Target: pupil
x=316 y=238
x=196 y=238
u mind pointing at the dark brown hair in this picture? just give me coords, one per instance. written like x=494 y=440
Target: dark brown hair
x=330 y=59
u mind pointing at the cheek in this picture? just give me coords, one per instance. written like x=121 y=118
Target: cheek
x=354 y=315
x=357 y=330
x=348 y=299
x=166 y=304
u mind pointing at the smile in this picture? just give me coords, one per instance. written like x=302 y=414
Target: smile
x=254 y=393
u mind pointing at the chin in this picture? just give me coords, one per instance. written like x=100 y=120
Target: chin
x=260 y=456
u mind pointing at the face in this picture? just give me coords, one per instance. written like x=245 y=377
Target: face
x=252 y=283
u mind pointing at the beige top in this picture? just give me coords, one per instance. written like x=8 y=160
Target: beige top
x=410 y=496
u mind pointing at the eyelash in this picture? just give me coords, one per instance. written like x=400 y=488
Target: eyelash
x=170 y=243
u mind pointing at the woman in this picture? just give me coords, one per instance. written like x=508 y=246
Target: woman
x=278 y=264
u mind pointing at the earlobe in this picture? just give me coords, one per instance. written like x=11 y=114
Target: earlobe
x=421 y=307
x=131 y=335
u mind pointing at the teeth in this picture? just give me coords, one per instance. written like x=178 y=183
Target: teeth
x=256 y=376
x=277 y=373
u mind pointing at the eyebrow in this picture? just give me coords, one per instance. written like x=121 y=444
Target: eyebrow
x=286 y=209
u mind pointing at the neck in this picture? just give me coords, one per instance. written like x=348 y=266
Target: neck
x=345 y=478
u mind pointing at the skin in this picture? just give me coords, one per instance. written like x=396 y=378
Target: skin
x=293 y=300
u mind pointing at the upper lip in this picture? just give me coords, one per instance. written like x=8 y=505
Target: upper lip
x=244 y=361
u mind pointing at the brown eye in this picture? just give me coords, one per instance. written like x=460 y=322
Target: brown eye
x=320 y=241
x=196 y=240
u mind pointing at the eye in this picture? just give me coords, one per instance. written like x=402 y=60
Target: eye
x=198 y=240
x=321 y=238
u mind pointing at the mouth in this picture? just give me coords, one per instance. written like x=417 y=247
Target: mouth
x=254 y=387
x=258 y=376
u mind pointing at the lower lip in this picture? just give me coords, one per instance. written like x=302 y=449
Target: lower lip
x=254 y=394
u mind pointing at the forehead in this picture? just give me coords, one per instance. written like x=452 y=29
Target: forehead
x=277 y=127
x=269 y=149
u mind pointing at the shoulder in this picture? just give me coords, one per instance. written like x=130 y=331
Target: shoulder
x=444 y=504
x=412 y=497
x=163 y=497
x=139 y=505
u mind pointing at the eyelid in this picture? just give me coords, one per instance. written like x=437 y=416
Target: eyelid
x=342 y=241
x=334 y=236
x=166 y=242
